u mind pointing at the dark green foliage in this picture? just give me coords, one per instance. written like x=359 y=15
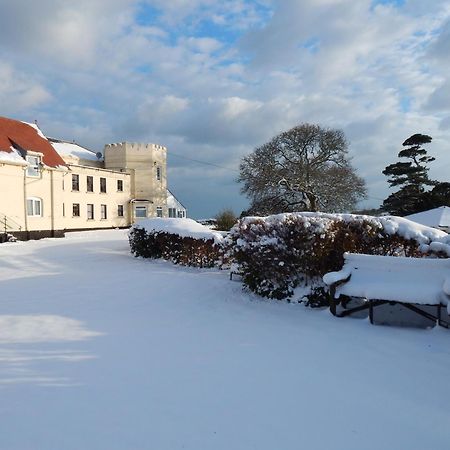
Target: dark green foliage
x=438 y=196
x=411 y=176
x=186 y=251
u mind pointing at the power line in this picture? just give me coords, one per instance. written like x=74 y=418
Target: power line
x=234 y=170
x=203 y=162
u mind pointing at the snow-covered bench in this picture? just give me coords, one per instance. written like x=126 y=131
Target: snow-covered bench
x=412 y=282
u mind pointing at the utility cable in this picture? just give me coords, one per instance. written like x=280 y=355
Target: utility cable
x=203 y=162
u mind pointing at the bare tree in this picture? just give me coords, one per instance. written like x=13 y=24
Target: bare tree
x=225 y=219
x=305 y=168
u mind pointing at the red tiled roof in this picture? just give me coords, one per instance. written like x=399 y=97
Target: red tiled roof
x=26 y=137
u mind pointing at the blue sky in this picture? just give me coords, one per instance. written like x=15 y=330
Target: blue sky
x=211 y=80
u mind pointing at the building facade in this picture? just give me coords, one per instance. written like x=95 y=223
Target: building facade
x=49 y=186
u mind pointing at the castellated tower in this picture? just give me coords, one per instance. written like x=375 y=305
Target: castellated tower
x=147 y=166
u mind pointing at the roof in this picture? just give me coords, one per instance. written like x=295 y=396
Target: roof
x=437 y=217
x=24 y=136
x=172 y=201
x=73 y=149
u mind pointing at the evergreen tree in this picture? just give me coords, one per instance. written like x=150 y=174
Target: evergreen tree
x=438 y=196
x=411 y=176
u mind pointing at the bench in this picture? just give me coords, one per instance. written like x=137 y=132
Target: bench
x=410 y=282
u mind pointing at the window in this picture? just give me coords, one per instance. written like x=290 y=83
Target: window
x=34 y=207
x=120 y=210
x=181 y=214
x=103 y=185
x=158 y=211
x=90 y=184
x=90 y=211
x=103 y=212
x=120 y=185
x=172 y=212
x=76 y=210
x=34 y=167
x=140 y=211
x=158 y=173
x=75 y=182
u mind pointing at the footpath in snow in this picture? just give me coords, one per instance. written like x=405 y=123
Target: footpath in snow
x=100 y=350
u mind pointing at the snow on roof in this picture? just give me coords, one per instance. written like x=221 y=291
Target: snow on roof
x=72 y=149
x=35 y=126
x=173 y=202
x=13 y=156
x=437 y=217
x=16 y=136
x=181 y=227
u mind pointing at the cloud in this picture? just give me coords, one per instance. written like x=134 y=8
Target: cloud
x=439 y=100
x=212 y=80
x=64 y=34
x=19 y=91
x=445 y=123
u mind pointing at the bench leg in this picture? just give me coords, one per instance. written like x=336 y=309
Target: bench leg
x=332 y=300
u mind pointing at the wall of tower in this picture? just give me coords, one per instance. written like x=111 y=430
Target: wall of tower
x=147 y=165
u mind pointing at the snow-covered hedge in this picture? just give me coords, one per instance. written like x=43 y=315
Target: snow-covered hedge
x=276 y=253
x=181 y=241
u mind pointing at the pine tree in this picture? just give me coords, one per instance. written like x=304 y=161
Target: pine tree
x=411 y=176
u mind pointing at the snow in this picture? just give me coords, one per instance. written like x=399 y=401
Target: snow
x=408 y=280
x=182 y=227
x=101 y=350
x=74 y=150
x=38 y=130
x=334 y=277
x=12 y=156
x=390 y=224
x=437 y=217
x=41 y=328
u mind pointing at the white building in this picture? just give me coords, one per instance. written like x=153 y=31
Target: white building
x=49 y=186
x=174 y=207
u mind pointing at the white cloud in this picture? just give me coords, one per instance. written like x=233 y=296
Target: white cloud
x=19 y=91
x=214 y=79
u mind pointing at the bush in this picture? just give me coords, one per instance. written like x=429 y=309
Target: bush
x=317 y=298
x=225 y=220
x=186 y=251
x=276 y=254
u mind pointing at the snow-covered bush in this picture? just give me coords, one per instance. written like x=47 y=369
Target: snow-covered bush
x=277 y=253
x=181 y=241
x=7 y=237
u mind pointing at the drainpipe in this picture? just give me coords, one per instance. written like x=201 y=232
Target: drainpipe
x=52 y=206
x=25 y=201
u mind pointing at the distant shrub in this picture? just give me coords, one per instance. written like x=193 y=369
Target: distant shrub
x=225 y=220
x=187 y=251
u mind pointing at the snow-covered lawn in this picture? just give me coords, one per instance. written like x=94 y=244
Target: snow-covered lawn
x=103 y=351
